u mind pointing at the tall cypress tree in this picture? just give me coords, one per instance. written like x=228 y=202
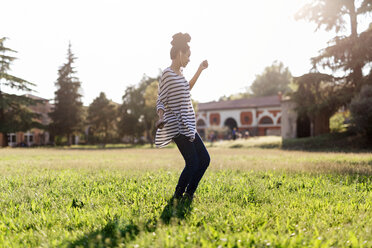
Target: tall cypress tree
x=14 y=113
x=67 y=113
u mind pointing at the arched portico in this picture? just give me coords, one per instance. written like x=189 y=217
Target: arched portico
x=231 y=123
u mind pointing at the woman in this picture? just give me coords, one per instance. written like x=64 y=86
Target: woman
x=177 y=117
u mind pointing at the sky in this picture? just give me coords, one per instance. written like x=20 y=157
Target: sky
x=117 y=42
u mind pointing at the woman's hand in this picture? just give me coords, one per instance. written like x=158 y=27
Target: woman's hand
x=203 y=65
x=160 y=123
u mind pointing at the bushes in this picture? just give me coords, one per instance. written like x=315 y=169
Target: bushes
x=219 y=132
x=339 y=122
x=361 y=112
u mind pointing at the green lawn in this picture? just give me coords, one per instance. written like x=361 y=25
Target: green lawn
x=249 y=197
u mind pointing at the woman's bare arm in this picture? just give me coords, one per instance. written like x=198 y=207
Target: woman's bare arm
x=202 y=66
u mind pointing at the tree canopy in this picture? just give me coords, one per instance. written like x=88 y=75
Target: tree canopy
x=361 y=110
x=15 y=115
x=275 y=78
x=138 y=111
x=346 y=56
x=67 y=113
x=102 y=118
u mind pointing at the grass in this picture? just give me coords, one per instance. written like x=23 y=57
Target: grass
x=121 y=198
x=342 y=142
x=332 y=142
x=258 y=142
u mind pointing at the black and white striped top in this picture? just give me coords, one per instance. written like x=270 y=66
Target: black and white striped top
x=175 y=99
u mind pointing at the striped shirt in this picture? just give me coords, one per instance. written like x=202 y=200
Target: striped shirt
x=175 y=99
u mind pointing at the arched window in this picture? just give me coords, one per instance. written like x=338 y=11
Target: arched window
x=266 y=120
x=231 y=123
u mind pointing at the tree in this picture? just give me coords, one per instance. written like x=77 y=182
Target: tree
x=346 y=54
x=137 y=113
x=150 y=96
x=318 y=96
x=14 y=113
x=102 y=117
x=275 y=78
x=131 y=114
x=236 y=96
x=361 y=112
x=67 y=114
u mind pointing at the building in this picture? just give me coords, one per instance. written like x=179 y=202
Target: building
x=300 y=126
x=291 y=124
x=34 y=136
x=260 y=115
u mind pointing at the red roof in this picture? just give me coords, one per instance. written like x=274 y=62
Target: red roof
x=264 y=101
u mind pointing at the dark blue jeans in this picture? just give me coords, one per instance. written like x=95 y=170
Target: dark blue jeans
x=197 y=161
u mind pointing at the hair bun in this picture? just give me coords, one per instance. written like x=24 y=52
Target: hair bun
x=179 y=43
x=180 y=39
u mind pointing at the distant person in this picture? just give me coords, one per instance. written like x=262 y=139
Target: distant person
x=177 y=117
x=246 y=136
x=213 y=138
x=234 y=133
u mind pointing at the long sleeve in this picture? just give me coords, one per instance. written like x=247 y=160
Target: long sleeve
x=162 y=93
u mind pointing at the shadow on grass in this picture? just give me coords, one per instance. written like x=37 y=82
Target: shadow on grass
x=87 y=147
x=98 y=147
x=116 y=232
x=177 y=209
x=111 y=235
x=346 y=142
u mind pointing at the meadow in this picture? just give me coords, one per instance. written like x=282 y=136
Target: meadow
x=120 y=197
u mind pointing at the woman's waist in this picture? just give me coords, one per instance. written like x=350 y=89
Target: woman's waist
x=190 y=114
x=172 y=119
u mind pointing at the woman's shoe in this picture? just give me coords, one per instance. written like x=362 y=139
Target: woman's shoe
x=177 y=197
x=188 y=197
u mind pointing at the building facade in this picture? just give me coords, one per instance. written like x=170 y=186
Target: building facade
x=289 y=119
x=259 y=116
x=34 y=136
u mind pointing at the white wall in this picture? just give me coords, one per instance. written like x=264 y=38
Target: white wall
x=289 y=120
x=235 y=114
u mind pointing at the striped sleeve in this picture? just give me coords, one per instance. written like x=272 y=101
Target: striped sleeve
x=162 y=93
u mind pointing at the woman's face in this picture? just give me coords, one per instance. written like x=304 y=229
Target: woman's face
x=185 y=58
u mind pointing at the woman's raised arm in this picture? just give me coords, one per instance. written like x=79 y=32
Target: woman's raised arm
x=202 y=66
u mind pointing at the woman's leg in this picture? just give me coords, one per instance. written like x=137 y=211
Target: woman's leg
x=204 y=160
x=189 y=153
